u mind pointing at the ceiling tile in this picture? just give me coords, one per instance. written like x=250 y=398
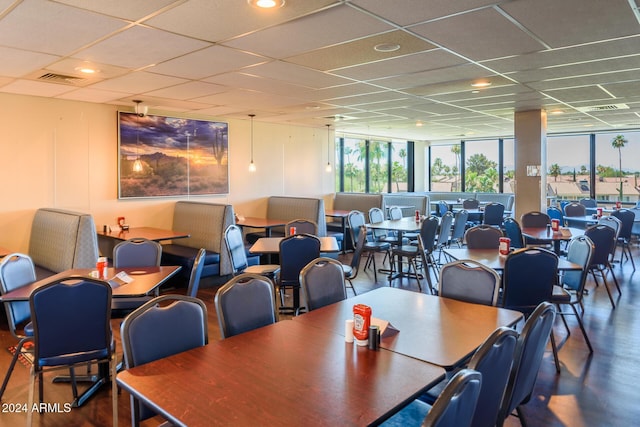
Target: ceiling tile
x=217 y=20
x=139 y=47
x=207 y=62
x=29 y=87
x=408 y=64
x=487 y=34
x=310 y=32
x=138 y=82
x=406 y=12
x=582 y=21
x=52 y=28
x=16 y=62
x=361 y=51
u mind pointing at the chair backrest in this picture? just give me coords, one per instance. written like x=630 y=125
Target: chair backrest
x=575 y=209
x=626 y=217
x=534 y=219
x=163 y=326
x=528 y=279
x=494 y=360
x=483 y=237
x=528 y=357
x=604 y=240
x=554 y=213
x=303 y=226
x=579 y=251
x=444 y=231
x=459 y=225
x=493 y=214
x=457 y=403
x=356 y=221
x=395 y=212
x=16 y=270
x=137 y=252
x=470 y=204
x=428 y=231
x=196 y=273
x=612 y=222
x=442 y=208
x=235 y=246
x=323 y=282
x=296 y=252
x=376 y=215
x=469 y=281
x=71 y=321
x=589 y=203
x=244 y=303
x=514 y=232
x=357 y=253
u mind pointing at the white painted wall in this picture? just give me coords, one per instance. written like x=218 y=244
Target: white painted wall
x=63 y=154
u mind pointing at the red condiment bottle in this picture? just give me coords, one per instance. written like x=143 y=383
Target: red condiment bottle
x=361 y=321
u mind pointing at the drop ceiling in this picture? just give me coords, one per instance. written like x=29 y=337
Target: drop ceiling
x=315 y=62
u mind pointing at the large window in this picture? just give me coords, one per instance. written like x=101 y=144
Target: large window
x=618 y=166
x=399 y=167
x=378 y=166
x=354 y=155
x=371 y=166
x=568 y=163
x=481 y=166
x=445 y=168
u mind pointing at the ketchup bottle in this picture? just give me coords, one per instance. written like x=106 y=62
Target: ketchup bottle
x=361 y=322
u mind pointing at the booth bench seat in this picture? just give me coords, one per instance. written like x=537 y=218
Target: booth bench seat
x=61 y=240
x=205 y=223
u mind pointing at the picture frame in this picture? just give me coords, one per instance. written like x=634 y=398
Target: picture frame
x=162 y=156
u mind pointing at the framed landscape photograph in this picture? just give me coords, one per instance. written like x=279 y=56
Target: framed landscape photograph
x=163 y=156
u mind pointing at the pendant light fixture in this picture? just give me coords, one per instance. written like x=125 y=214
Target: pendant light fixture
x=137 y=164
x=328 y=167
x=252 y=166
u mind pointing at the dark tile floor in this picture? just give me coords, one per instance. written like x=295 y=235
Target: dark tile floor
x=596 y=390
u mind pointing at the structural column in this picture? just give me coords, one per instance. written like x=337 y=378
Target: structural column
x=531 y=161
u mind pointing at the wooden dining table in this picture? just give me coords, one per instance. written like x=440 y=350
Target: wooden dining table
x=271 y=245
x=341 y=215
x=109 y=238
x=266 y=223
x=546 y=234
x=491 y=258
x=284 y=374
x=440 y=331
x=144 y=281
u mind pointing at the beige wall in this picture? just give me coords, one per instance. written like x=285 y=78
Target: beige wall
x=63 y=154
x=530 y=149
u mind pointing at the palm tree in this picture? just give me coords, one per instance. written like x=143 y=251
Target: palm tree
x=619 y=142
x=455 y=149
x=554 y=171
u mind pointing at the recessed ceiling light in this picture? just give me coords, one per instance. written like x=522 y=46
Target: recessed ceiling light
x=418 y=123
x=87 y=70
x=475 y=91
x=266 y=4
x=557 y=112
x=386 y=47
x=481 y=84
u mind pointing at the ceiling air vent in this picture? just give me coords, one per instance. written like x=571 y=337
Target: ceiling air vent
x=609 y=107
x=61 y=78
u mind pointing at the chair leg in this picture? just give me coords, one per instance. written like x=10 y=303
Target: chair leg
x=554 y=348
x=566 y=326
x=32 y=384
x=114 y=389
x=615 y=279
x=606 y=285
x=14 y=359
x=584 y=332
